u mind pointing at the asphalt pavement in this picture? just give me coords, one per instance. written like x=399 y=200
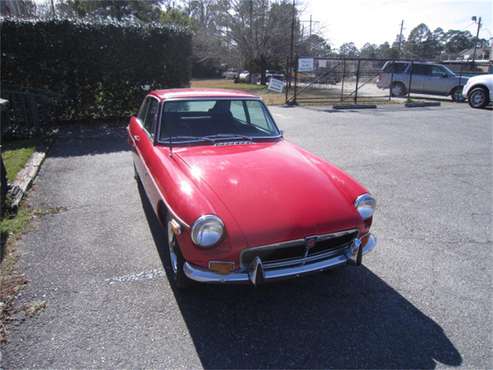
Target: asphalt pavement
x=421 y=300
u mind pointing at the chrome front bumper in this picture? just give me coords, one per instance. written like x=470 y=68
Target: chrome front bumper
x=258 y=274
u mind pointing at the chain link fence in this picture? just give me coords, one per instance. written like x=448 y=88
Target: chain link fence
x=354 y=80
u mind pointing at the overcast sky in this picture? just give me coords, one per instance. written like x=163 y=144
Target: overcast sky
x=377 y=21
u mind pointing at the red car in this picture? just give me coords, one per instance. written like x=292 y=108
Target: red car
x=242 y=204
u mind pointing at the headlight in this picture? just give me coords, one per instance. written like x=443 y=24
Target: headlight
x=207 y=231
x=365 y=204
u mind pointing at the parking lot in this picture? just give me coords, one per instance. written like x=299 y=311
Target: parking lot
x=421 y=300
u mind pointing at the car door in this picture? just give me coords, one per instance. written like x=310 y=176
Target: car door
x=421 y=72
x=439 y=82
x=146 y=150
x=136 y=132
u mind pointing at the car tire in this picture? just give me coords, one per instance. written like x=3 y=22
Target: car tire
x=478 y=97
x=456 y=94
x=176 y=261
x=398 y=89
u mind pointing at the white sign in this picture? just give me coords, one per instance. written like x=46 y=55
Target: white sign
x=275 y=85
x=305 y=64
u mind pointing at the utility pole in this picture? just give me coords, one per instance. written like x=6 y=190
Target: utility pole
x=291 y=47
x=400 y=37
x=477 y=37
x=311 y=22
x=53 y=9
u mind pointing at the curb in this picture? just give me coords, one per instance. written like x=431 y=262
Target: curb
x=354 y=106
x=26 y=176
x=423 y=104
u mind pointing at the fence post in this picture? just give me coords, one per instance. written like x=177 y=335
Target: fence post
x=295 y=79
x=391 y=78
x=410 y=81
x=287 y=80
x=343 y=75
x=357 y=82
x=3 y=174
x=460 y=80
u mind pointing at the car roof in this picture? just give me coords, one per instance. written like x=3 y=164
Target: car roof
x=190 y=93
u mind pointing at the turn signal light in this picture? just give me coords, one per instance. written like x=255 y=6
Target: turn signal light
x=222 y=267
x=364 y=239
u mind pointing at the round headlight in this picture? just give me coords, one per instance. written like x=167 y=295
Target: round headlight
x=365 y=204
x=207 y=231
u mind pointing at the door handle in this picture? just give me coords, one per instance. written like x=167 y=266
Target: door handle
x=136 y=137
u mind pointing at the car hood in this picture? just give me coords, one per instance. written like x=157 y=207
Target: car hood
x=273 y=191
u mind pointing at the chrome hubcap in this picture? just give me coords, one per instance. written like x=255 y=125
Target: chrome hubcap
x=171 y=247
x=477 y=98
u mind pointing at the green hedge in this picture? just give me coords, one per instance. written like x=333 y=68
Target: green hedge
x=96 y=69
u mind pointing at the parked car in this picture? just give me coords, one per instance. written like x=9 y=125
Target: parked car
x=230 y=74
x=427 y=78
x=239 y=202
x=479 y=90
x=244 y=76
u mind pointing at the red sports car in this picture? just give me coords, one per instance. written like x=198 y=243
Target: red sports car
x=240 y=203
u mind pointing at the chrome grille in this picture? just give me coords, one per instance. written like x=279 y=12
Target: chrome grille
x=298 y=252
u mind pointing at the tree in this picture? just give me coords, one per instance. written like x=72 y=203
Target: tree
x=144 y=11
x=387 y=52
x=261 y=32
x=369 y=51
x=315 y=46
x=348 y=49
x=17 y=8
x=456 y=41
x=419 y=43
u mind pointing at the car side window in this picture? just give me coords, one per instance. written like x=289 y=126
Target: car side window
x=151 y=116
x=238 y=110
x=438 y=71
x=143 y=110
x=397 y=67
x=422 y=69
x=257 y=116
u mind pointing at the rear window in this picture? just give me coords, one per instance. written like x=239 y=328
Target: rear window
x=394 y=67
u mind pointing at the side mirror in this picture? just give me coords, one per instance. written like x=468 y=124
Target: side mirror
x=444 y=75
x=281 y=132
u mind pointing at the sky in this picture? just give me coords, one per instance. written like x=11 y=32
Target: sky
x=377 y=21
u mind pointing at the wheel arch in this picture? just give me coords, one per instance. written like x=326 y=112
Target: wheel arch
x=455 y=88
x=479 y=85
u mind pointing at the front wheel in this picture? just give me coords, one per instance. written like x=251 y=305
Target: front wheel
x=176 y=260
x=457 y=95
x=478 y=98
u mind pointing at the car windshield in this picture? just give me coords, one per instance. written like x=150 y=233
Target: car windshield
x=215 y=120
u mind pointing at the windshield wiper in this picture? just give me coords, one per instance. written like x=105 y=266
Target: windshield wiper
x=184 y=138
x=218 y=137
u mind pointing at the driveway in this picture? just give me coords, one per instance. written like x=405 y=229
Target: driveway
x=421 y=300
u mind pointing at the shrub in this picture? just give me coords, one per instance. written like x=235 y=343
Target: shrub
x=95 y=69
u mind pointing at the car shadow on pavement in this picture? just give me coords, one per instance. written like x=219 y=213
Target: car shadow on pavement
x=345 y=318
x=80 y=140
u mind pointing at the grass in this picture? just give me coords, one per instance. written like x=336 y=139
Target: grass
x=15 y=224
x=15 y=155
x=269 y=97
x=309 y=96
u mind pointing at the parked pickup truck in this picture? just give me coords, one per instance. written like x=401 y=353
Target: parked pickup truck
x=427 y=78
